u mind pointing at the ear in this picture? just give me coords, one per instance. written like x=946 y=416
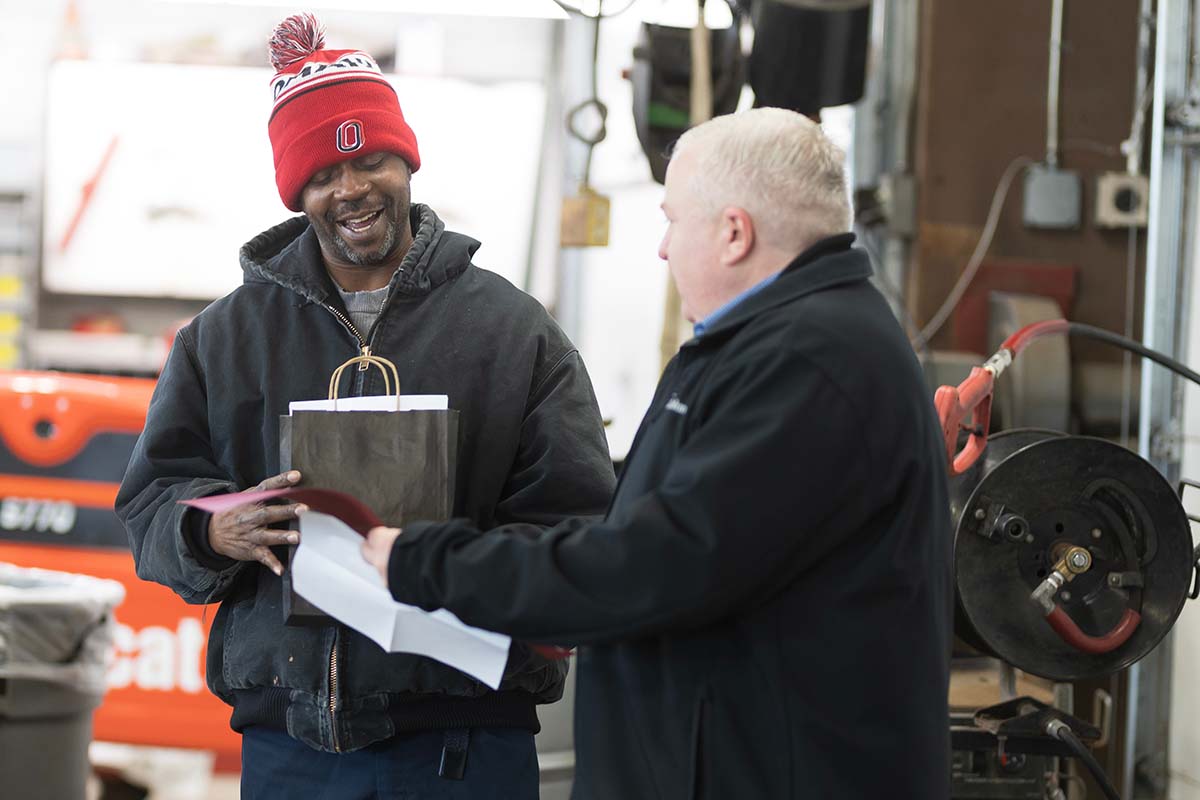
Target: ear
x=737 y=236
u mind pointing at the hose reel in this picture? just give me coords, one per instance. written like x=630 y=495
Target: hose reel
x=1073 y=556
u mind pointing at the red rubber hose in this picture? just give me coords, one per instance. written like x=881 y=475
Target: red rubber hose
x=1022 y=338
x=1065 y=627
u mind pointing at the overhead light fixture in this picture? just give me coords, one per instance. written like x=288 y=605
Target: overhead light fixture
x=530 y=9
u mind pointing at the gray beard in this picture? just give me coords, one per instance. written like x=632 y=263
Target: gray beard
x=370 y=259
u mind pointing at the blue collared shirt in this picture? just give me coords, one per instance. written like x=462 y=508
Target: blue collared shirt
x=706 y=323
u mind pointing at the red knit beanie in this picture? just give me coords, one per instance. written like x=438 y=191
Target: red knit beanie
x=330 y=106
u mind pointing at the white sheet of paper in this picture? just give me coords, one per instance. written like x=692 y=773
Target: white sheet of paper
x=329 y=571
x=408 y=402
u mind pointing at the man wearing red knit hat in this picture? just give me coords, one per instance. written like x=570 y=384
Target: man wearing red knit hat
x=325 y=712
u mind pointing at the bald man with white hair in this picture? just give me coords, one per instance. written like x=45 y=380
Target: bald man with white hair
x=765 y=610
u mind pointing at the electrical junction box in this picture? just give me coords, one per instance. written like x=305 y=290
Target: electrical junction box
x=1053 y=198
x=1122 y=200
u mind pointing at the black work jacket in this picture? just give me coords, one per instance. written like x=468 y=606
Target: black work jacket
x=532 y=450
x=765 y=612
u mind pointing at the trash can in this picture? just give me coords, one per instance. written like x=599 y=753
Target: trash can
x=55 y=637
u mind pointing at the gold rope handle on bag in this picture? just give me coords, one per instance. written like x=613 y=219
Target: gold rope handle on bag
x=367 y=360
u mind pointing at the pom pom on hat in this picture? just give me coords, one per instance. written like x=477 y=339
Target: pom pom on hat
x=295 y=39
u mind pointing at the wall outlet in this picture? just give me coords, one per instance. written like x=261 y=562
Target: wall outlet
x=1122 y=200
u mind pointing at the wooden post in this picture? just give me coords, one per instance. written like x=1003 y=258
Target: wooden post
x=700 y=111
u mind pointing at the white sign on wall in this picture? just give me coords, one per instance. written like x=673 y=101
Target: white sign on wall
x=157 y=173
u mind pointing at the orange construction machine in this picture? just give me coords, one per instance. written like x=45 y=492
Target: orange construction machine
x=64 y=443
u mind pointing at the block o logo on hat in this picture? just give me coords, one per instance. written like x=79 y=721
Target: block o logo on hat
x=324 y=102
x=350 y=136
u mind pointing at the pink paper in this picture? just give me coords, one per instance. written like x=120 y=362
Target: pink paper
x=345 y=507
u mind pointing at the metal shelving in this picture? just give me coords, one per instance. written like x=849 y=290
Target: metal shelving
x=18 y=275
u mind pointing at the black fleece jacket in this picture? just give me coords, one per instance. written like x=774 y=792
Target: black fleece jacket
x=532 y=450
x=765 y=611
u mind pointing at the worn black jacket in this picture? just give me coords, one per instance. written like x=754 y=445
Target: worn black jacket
x=532 y=450
x=766 y=610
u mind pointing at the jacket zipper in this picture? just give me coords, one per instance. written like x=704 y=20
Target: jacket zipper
x=363 y=346
x=365 y=350
x=333 y=692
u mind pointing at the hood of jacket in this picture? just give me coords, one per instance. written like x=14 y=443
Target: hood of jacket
x=289 y=255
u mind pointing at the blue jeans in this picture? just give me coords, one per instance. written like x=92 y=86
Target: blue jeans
x=501 y=765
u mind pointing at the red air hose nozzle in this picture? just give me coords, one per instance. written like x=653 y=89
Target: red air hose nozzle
x=973 y=397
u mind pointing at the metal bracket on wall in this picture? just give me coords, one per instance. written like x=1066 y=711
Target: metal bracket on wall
x=1181 y=120
x=1184 y=114
x=1166 y=441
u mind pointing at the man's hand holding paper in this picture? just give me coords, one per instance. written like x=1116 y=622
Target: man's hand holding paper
x=377 y=548
x=244 y=533
x=328 y=570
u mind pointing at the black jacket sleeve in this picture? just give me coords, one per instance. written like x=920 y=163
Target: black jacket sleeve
x=563 y=467
x=731 y=524
x=172 y=461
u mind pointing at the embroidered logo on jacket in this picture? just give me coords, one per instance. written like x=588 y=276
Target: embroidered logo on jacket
x=676 y=405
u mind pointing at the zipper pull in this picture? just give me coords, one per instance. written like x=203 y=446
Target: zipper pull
x=363 y=366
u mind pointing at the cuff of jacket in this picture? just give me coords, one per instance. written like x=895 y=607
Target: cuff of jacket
x=195 y=535
x=405 y=567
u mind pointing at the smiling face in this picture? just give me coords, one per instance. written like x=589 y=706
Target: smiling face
x=359 y=210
